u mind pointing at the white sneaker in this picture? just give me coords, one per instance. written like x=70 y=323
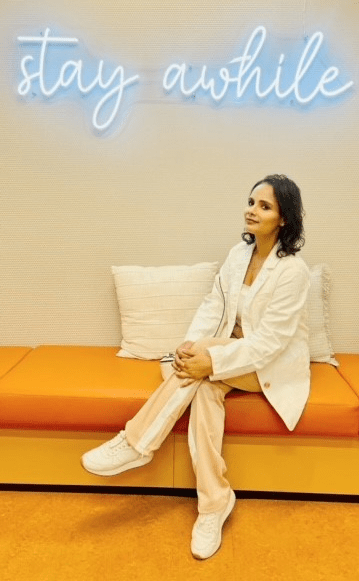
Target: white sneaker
x=113 y=457
x=207 y=531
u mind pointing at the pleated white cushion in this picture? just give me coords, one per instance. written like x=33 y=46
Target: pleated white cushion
x=320 y=346
x=157 y=305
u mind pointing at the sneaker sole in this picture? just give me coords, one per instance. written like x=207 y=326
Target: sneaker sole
x=230 y=506
x=135 y=464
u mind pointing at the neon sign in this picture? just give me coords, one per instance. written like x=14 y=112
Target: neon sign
x=254 y=73
x=74 y=70
x=242 y=75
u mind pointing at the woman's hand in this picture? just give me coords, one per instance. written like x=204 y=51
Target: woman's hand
x=190 y=366
x=181 y=354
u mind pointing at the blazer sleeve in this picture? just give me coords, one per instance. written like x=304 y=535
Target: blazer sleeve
x=277 y=326
x=210 y=313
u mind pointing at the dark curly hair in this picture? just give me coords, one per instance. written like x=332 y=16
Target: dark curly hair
x=291 y=235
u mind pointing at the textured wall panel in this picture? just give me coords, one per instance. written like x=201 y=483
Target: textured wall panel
x=170 y=184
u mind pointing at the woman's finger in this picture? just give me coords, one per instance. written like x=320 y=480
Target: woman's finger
x=182 y=374
x=187 y=353
x=177 y=360
x=177 y=364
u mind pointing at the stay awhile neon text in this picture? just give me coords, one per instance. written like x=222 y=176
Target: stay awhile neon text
x=248 y=75
x=254 y=73
x=74 y=71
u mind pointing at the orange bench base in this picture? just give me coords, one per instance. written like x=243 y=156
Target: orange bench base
x=255 y=463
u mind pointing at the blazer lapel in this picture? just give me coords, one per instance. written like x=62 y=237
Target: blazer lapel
x=238 y=277
x=270 y=263
x=236 y=282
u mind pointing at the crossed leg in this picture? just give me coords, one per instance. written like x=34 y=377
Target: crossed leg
x=145 y=432
x=206 y=429
x=150 y=426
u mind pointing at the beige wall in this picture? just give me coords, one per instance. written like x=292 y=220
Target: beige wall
x=168 y=186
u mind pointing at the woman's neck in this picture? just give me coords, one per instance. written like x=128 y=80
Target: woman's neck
x=264 y=246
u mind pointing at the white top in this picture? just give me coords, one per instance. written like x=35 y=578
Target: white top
x=243 y=292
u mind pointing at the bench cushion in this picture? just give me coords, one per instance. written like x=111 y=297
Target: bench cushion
x=349 y=369
x=75 y=388
x=89 y=388
x=11 y=356
x=331 y=409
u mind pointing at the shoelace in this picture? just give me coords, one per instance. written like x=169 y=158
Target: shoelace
x=208 y=523
x=119 y=440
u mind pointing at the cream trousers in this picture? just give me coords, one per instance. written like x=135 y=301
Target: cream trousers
x=151 y=425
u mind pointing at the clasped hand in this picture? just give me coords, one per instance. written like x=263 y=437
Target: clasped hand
x=189 y=365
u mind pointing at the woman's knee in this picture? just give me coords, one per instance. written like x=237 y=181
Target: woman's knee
x=201 y=345
x=213 y=391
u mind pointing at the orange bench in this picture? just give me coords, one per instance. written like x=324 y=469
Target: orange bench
x=58 y=401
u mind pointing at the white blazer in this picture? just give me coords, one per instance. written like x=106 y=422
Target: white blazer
x=274 y=325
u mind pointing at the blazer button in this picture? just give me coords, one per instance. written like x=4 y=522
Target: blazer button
x=267 y=384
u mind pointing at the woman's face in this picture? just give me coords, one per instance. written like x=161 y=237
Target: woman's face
x=262 y=214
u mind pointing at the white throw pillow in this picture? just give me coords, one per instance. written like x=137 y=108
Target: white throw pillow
x=320 y=347
x=157 y=305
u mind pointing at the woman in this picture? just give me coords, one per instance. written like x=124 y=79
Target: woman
x=249 y=333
